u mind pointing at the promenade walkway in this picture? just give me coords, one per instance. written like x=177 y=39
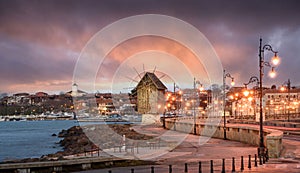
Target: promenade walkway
x=190 y=152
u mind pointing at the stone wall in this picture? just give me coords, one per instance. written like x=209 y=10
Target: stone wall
x=246 y=134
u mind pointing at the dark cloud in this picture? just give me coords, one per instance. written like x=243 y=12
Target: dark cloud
x=40 y=40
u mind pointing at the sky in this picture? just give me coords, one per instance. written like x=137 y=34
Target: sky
x=41 y=41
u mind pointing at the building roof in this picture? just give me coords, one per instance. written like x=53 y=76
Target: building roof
x=21 y=94
x=78 y=91
x=274 y=91
x=40 y=94
x=158 y=84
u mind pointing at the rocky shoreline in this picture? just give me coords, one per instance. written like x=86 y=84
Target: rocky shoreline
x=81 y=139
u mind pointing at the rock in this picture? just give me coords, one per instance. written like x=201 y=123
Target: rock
x=53 y=134
x=63 y=133
x=75 y=140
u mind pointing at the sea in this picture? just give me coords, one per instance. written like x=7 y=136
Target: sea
x=30 y=139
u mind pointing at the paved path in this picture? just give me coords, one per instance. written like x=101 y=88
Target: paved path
x=191 y=151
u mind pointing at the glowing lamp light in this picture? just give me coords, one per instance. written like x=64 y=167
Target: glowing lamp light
x=246 y=93
x=275 y=60
x=250 y=99
x=188 y=104
x=232 y=82
x=272 y=73
x=201 y=88
x=282 y=88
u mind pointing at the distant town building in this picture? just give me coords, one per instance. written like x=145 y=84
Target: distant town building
x=278 y=101
x=150 y=94
x=194 y=100
x=275 y=102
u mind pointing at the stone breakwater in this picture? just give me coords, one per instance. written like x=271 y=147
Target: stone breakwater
x=79 y=139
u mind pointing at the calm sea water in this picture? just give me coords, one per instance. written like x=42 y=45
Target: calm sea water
x=30 y=139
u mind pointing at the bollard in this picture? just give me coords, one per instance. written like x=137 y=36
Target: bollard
x=255 y=160
x=211 y=166
x=249 y=162
x=223 y=165
x=185 y=167
x=109 y=171
x=200 y=168
x=152 y=169
x=267 y=155
x=132 y=170
x=170 y=168
x=260 y=160
x=242 y=163
x=233 y=165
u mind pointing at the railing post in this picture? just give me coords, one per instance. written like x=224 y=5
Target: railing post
x=267 y=155
x=249 y=162
x=109 y=171
x=242 y=163
x=132 y=170
x=185 y=167
x=152 y=169
x=200 y=168
x=223 y=166
x=211 y=166
x=260 y=160
x=233 y=165
x=255 y=160
x=170 y=168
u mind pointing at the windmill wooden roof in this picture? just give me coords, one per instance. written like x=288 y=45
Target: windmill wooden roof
x=158 y=84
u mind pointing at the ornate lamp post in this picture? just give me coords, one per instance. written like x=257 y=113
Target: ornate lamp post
x=176 y=99
x=251 y=80
x=194 y=102
x=288 y=86
x=262 y=63
x=225 y=75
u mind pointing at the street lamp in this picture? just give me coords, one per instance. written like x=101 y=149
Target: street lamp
x=262 y=63
x=194 y=97
x=246 y=92
x=176 y=100
x=288 y=86
x=225 y=75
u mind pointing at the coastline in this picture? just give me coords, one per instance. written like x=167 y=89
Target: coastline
x=74 y=141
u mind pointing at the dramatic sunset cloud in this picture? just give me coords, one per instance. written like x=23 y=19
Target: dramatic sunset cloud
x=40 y=41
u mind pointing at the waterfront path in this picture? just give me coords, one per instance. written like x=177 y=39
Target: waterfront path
x=189 y=151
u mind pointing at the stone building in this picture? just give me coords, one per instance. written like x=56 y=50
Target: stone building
x=150 y=94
